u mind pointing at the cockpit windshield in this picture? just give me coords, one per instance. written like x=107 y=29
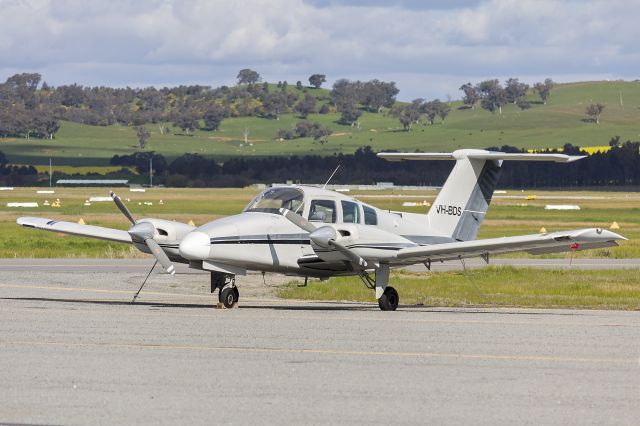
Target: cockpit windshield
x=274 y=199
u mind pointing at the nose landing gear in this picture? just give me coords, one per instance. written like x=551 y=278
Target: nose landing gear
x=228 y=294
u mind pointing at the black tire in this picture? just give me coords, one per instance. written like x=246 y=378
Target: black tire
x=389 y=300
x=228 y=296
x=236 y=293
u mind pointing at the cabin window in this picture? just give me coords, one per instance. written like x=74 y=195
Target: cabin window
x=322 y=211
x=370 y=216
x=274 y=199
x=350 y=212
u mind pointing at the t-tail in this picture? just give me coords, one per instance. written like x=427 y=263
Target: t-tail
x=463 y=201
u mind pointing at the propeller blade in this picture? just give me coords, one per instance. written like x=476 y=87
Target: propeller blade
x=298 y=220
x=125 y=211
x=162 y=257
x=352 y=256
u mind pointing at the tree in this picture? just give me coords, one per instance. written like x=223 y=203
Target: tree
x=345 y=93
x=193 y=165
x=492 y=95
x=594 y=111
x=321 y=133
x=316 y=80
x=443 y=110
x=430 y=110
x=523 y=104
x=45 y=123
x=376 y=94
x=213 y=117
x=515 y=90
x=24 y=86
x=143 y=135
x=274 y=104
x=544 y=89
x=284 y=134
x=471 y=95
x=70 y=96
x=435 y=108
x=188 y=122
x=306 y=106
x=408 y=114
x=349 y=114
x=248 y=76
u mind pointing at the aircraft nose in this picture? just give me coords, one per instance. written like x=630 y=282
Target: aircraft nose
x=195 y=246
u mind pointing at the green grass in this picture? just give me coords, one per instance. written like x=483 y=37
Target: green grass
x=504 y=218
x=491 y=286
x=560 y=121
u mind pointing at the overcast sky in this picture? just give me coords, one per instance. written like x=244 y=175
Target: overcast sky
x=429 y=48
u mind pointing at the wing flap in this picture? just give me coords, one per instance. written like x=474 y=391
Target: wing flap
x=556 y=242
x=72 y=228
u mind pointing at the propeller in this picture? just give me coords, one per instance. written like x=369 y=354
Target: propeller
x=125 y=211
x=145 y=231
x=324 y=236
x=298 y=220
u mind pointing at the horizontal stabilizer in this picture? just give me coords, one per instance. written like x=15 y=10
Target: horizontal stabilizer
x=75 y=229
x=478 y=154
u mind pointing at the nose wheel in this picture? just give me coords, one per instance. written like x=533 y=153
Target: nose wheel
x=228 y=294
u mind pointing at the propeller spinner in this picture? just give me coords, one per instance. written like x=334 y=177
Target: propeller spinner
x=145 y=231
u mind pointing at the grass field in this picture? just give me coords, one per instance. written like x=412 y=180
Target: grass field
x=493 y=287
x=505 y=217
x=561 y=121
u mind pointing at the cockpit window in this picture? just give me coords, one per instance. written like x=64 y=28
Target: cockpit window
x=274 y=199
x=322 y=211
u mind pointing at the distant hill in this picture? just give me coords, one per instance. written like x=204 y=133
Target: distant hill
x=562 y=120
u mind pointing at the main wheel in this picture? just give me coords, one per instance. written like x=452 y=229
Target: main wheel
x=229 y=296
x=389 y=299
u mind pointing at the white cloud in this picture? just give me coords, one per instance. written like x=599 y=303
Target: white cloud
x=429 y=51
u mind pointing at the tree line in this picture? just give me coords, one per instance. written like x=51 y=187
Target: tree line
x=30 y=108
x=620 y=166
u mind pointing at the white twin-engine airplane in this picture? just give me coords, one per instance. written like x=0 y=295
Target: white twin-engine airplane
x=312 y=232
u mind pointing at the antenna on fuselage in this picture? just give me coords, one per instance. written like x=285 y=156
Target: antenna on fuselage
x=329 y=180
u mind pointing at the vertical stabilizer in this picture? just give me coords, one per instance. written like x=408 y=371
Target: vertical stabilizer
x=463 y=201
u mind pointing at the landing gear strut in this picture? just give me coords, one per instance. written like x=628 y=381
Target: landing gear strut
x=228 y=294
x=387 y=296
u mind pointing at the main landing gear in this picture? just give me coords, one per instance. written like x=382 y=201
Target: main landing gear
x=228 y=294
x=387 y=296
x=389 y=299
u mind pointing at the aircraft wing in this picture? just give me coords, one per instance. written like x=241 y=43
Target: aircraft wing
x=75 y=229
x=554 y=242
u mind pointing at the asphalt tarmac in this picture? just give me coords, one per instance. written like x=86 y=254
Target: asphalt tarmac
x=74 y=350
x=143 y=265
